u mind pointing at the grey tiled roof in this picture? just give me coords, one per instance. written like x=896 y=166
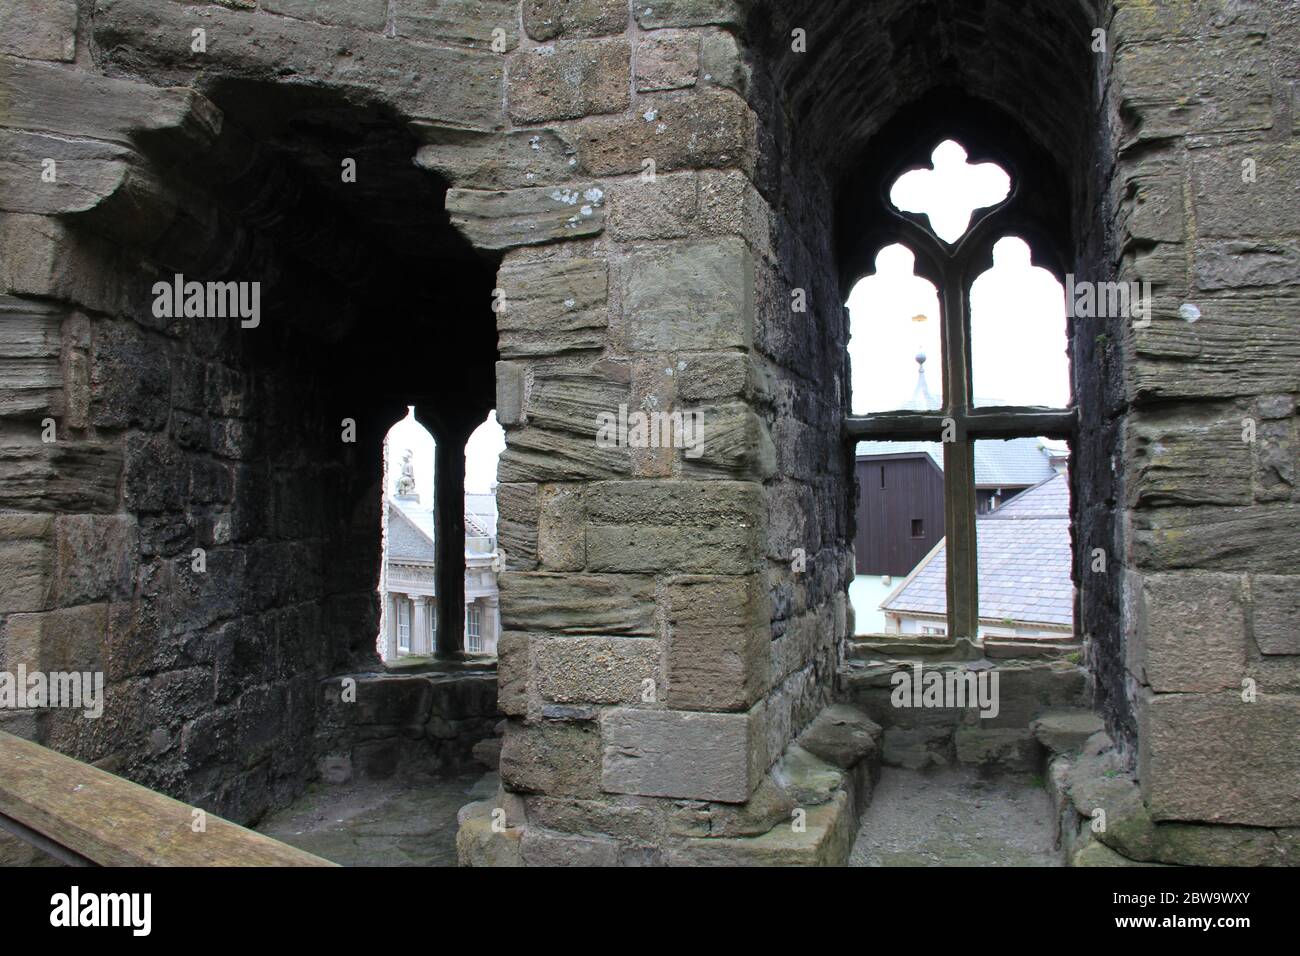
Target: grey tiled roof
x=1015 y=463
x=1024 y=563
x=407 y=538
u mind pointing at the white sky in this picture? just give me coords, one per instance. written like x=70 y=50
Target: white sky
x=1017 y=310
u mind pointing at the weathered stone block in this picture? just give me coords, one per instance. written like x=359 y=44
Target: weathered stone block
x=628 y=818
x=663 y=209
x=1229 y=207
x=561 y=535
x=1191 y=632
x=578 y=603
x=697 y=296
x=479 y=843
x=563 y=412
x=683 y=547
x=549 y=19
x=810 y=780
x=1223 y=88
x=735 y=443
x=512 y=384
x=1189 y=455
x=715 y=377
x=1275 y=601
x=369 y=15
x=61 y=476
x=544 y=848
x=74 y=103
x=1066 y=731
x=543 y=454
x=667 y=60
x=689 y=13
x=595 y=670
x=552 y=307
x=130 y=378
x=693 y=756
x=469 y=22
x=1217 y=539
x=31 y=374
x=95 y=558
x=718 y=642
x=842 y=735
x=1217 y=759
x=1246 y=263
x=513 y=660
x=389 y=700
x=569 y=79
x=422 y=80
x=721 y=62
x=479 y=160
x=26 y=562
x=712 y=129
x=517 y=523
x=917 y=747
x=1004 y=749
x=39 y=29
x=505 y=219
x=552 y=757
x=70 y=639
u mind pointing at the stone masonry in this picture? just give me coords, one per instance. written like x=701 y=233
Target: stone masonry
x=598 y=204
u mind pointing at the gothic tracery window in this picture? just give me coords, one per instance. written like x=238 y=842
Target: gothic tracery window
x=945 y=222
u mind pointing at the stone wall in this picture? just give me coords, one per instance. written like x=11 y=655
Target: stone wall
x=191 y=505
x=408 y=726
x=1205 y=209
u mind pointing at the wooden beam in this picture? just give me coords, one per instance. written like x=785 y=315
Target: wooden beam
x=895 y=426
x=961 y=544
x=991 y=422
x=1010 y=421
x=113 y=822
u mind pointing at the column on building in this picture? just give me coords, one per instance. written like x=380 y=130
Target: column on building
x=390 y=631
x=489 y=627
x=421 y=634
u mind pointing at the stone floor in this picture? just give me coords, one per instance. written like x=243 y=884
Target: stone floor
x=955 y=817
x=379 y=823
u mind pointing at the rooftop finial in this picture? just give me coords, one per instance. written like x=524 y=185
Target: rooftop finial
x=922 y=400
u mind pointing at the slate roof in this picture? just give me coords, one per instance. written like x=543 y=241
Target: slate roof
x=1015 y=463
x=410 y=531
x=1024 y=563
x=410 y=526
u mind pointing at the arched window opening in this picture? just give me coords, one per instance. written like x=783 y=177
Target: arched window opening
x=408 y=576
x=1018 y=335
x=894 y=315
x=961 y=414
x=483 y=557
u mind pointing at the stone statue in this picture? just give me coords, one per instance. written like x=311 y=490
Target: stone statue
x=406 y=482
